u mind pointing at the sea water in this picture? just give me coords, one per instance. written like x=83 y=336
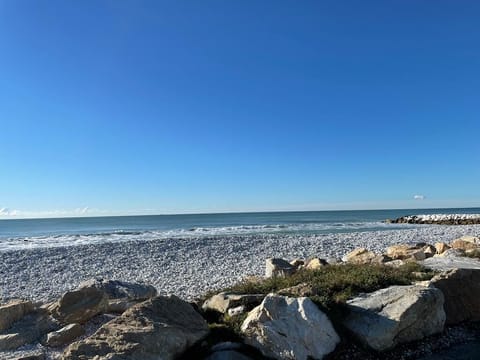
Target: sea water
x=34 y=233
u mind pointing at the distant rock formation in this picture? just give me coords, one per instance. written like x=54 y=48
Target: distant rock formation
x=438 y=219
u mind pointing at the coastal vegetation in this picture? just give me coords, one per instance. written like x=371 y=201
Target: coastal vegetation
x=331 y=286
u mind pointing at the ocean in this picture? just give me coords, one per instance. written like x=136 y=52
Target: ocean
x=32 y=233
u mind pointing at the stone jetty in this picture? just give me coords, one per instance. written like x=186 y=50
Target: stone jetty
x=438 y=219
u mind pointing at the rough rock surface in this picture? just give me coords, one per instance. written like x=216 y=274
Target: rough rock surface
x=30 y=355
x=404 y=252
x=278 y=267
x=27 y=330
x=159 y=328
x=443 y=263
x=395 y=315
x=315 y=264
x=13 y=311
x=359 y=256
x=116 y=289
x=80 y=305
x=441 y=247
x=440 y=219
x=11 y=341
x=64 y=335
x=289 y=328
x=223 y=301
x=463 y=245
x=461 y=289
x=118 y=306
x=470 y=238
x=451 y=253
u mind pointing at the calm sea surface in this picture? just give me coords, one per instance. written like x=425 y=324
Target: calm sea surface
x=31 y=233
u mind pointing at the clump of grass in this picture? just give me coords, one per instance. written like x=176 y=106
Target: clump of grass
x=334 y=284
x=331 y=286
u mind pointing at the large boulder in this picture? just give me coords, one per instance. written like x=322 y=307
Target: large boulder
x=405 y=252
x=121 y=294
x=395 y=315
x=13 y=311
x=359 y=256
x=116 y=289
x=470 y=238
x=315 y=263
x=224 y=301
x=80 y=305
x=27 y=330
x=451 y=260
x=159 y=328
x=461 y=289
x=289 y=328
x=463 y=245
x=275 y=267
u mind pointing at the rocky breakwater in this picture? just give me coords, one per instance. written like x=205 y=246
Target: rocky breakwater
x=438 y=219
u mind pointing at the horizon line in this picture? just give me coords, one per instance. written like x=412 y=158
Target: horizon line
x=226 y=212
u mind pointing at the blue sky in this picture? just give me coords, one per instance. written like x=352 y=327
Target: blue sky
x=132 y=107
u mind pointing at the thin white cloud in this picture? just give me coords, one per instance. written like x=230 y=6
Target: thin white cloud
x=419 y=197
x=9 y=213
x=82 y=211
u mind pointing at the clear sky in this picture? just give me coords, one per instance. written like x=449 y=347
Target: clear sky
x=133 y=107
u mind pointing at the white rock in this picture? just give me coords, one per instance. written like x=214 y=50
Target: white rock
x=159 y=328
x=395 y=315
x=236 y=310
x=470 y=239
x=449 y=262
x=289 y=328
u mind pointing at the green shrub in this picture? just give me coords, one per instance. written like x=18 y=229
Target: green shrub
x=334 y=284
x=331 y=286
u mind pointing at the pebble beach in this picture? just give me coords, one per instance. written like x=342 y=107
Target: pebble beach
x=188 y=267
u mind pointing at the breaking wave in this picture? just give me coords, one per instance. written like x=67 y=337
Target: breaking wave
x=32 y=242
